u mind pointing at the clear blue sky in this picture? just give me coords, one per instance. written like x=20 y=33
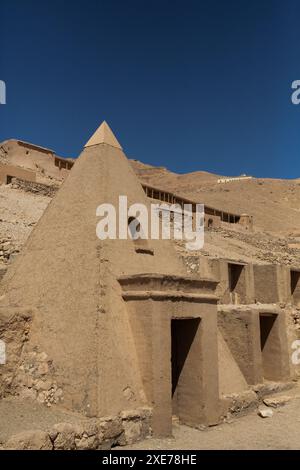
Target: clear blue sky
x=193 y=85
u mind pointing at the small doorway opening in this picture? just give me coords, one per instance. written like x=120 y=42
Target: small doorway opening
x=9 y=179
x=268 y=344
x=237 y=283
x=186 y=368
x=234 y=272
x=295 y=286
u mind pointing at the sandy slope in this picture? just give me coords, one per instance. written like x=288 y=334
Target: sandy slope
x=274 y=203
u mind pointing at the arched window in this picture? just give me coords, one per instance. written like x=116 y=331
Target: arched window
x=135 y=232
x=134 y=228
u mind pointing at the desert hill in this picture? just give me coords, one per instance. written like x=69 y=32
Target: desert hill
x=274 y=203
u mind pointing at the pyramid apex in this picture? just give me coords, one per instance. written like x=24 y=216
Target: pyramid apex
x=103 y=135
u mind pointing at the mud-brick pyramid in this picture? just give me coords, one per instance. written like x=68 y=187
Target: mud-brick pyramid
x=67 y=278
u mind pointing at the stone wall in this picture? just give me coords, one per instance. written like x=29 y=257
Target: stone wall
x=97 y=433
x=36 y=188
x=7 y=249
x=14 y=331
x=2 y=272
x=27 y=373
x=7 y=172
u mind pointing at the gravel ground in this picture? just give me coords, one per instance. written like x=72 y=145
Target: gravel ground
x=282 y=431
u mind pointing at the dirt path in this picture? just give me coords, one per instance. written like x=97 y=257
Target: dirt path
x=282 y=431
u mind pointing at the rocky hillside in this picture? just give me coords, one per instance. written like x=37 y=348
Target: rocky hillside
x=20 y=210
x=274 y=203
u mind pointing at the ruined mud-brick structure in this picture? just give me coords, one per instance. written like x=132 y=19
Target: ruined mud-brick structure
x=23 y=160
x=117 y=328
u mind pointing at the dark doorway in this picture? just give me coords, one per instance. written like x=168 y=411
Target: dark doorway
x=9 y=179
x=295 y=286
x=269 y=345
x=234 y=274
x=185 y=359
x=266 y=324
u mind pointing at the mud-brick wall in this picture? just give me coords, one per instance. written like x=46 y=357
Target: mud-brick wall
x=15 y=172
x=271 y=283
x=239 y=331
x=244 y=288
